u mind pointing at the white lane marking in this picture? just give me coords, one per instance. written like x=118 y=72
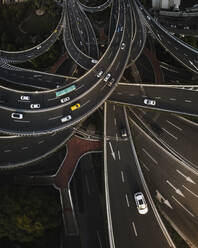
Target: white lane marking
x=157 y=97
x=134 y=228
x=7 y=150
x=85 y=103
x=99 y=239
x=189 y=179
x=40 y=142
x=122 y=175
x=188 y=100
x=21 y=121
x=87 y=184
x=145 y=151
x=190 y=191
x=131 y=94
x=117 y=66
x=173 y=136
x=183 y=206
x=144 y=165
x=114 y=107
x=119 y=93
x=112 y=152
x=56 y=117
x=118 y=154
x=116 y=137
x=172 y=99
x=115 y=122
x=53 y=134
x=179 y=128
x=178 y=191
x=24 y=148
x=127 y=200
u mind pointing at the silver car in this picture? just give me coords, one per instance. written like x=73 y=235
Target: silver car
x=18 y=116
x=35 y=106
x=107 y=77
x=99 y=74
x=149 y=102
x=66 y=99
x=66 y=118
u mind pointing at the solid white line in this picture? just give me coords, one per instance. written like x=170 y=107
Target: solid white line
x=122 y=175
x=134 y=228
x=155 y=161
x=118 y=154
x=180 y=129
x=56 y=117
x=183 y=206
x=98 y=235
x=24 y=148
x=41 y=141
x=127 y=200
x=190 y=191
x=173 y=136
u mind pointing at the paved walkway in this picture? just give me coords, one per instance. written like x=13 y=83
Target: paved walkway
x=76 y=147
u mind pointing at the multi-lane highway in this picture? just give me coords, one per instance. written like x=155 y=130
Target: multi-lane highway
x=53 y=104
x=126 y=225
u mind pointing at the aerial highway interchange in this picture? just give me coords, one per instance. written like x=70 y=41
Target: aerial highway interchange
x=145 y=136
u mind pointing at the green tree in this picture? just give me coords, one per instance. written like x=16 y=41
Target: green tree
x=26 y=212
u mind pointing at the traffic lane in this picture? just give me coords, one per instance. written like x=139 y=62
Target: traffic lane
x=171 y=100
x=169 y=172
x=25 y=77
x=140 y=34
x=16 y=151
x=77 y=28
x=23 y=56
x=115 y=121
x=173 y=44
x=88 y=77
x=32 y=125
x=179 y=209
x=136 y=226
x=175 y=132
x=92 y=223
x=72 y=49
x=173 y=209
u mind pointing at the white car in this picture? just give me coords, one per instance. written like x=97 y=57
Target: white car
x=38 y=47
x=148 y=17
x=25 y=98
x=123 y=45
x=18 y=116
x=66 y=99
x=94 y=61
x=149 y=102
x=66 y=118
x=99 y=74
x=140 y=203
x=35 y=106
x=107 y=77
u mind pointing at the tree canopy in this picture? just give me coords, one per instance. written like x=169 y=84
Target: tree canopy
x=26 y=212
